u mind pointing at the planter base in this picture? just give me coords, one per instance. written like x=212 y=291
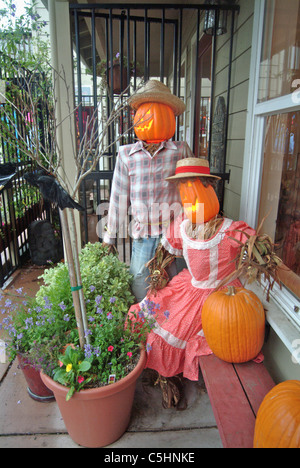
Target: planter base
x=41 y=399
x=36 y=389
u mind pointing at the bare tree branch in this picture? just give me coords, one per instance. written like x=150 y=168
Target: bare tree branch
x=32 y=100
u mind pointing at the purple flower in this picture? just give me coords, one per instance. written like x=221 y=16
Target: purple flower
x=29 y=323
x=88 y=351
x=167 y=314
x=98 y=299
x=62 y=306
x=150 y=307
x=92 y=288
x=48 y=304
x=148 y=347
x=112 y=300
x=109 y=315
x=141 y=314
x=66 y=318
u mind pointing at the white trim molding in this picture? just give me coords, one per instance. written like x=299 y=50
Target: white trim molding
x=281 y=316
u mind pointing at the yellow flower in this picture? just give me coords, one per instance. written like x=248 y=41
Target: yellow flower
x=69 y=368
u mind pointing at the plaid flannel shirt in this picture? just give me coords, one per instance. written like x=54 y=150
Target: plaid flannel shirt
x=139 y=183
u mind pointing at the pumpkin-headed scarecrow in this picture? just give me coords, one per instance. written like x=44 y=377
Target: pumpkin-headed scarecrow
x=209 y=244
x=140 y=177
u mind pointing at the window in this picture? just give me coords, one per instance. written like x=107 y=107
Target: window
x=271 y=178
x=280 y=59
x=280 y=189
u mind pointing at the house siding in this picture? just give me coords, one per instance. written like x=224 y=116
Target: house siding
x=241 y=56
x=238 y=92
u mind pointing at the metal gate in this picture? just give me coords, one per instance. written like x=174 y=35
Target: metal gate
x=20 y=203
x=145 y=41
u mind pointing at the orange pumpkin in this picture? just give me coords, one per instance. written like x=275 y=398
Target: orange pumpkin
x=233 y=321
x=200 y=203
x=278 y=419
x=154 y=122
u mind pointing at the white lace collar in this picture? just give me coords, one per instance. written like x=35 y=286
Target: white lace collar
x=199 y=244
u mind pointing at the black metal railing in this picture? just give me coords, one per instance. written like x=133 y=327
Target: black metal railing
x=20 y=203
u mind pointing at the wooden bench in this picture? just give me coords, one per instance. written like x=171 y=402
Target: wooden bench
x=236 y=392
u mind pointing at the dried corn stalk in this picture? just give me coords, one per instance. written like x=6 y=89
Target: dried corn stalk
x=256 y=260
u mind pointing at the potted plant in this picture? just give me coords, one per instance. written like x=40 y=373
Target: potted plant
x=94 y=385
x=104 y=70
x=30 y=330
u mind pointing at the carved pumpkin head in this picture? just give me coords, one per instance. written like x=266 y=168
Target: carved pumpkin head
x=198 y=197
x=154 y=122
x=200 y=203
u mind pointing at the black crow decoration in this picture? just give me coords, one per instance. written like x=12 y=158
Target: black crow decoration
x=7 y=173
x=51 y=190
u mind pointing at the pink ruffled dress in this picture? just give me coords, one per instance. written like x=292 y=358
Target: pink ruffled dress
x=175 y=344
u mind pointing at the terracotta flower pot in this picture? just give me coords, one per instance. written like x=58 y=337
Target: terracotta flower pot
x=118 y=86
x=36 y=388
x=98 y=417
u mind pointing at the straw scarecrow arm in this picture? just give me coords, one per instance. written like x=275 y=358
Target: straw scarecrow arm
x=157 y=266
x=111 y=248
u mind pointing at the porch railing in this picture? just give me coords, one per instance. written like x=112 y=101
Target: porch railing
x=20 y=203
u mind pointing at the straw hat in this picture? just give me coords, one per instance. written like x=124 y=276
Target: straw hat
x=192 y=167
x=156 y=91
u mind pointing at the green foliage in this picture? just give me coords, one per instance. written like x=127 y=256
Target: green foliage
x=72 y=368
x=27 y=116
x=101 y=274
x=109 y=277
x=102 y=66
x=22 y=38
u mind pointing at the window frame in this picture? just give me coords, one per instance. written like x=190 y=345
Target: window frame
x=254 y=154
